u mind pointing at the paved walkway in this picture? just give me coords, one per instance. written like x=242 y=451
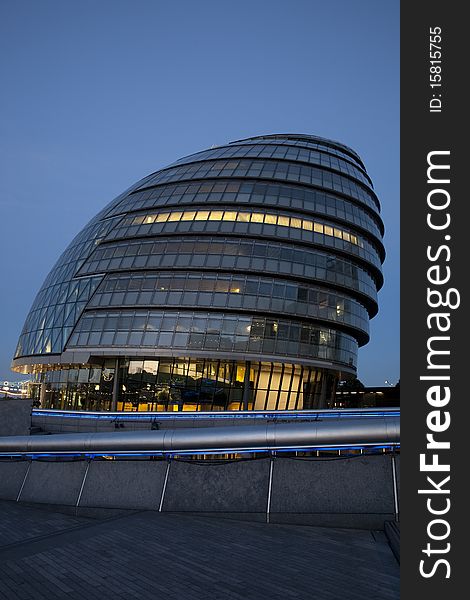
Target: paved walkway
x=146 y=555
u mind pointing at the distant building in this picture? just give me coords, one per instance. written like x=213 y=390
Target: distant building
x=240 y=277
x=368 y=397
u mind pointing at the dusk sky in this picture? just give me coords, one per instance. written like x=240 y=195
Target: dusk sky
x=96 y=95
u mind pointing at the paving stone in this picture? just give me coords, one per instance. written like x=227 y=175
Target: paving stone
x=151 y=555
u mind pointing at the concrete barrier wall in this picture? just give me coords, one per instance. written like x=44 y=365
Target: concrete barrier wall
x=124 y=484
x=354 y=492
x=53 y=482
x=12 y=476
x=238 y=487
x=321 y=491
x=15 y=417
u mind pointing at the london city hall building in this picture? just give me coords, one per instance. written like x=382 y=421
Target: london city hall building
x=239 y=277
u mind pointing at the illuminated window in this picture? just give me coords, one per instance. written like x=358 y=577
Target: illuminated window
x=247 y=217
x=297 y=223
x=175 y=216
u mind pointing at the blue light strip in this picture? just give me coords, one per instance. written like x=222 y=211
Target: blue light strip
x=274 y=415
x=218 y=451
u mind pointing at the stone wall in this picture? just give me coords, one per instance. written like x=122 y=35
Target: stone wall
x=15 y=416
x=339 y=492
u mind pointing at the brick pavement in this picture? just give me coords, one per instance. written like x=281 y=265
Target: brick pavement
x=146 y=555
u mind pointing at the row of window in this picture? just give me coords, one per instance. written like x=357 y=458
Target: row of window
x=330 y=237
x=240 y=192
x=236 y=284
x=44 y=341
x=227 y=255
x=268 y=170
x=80 y=247
x=61 y=300
x=241 y=217
x=183 y=384
x=276 y=151
x=58 y=306
x=165 y=370
x=211 y=331
x=314 y=142
x=247 y=295
x=68 y=293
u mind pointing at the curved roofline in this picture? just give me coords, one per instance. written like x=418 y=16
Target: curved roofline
x=300 y=137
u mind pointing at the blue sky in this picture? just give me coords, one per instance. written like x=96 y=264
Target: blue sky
x=95 y=95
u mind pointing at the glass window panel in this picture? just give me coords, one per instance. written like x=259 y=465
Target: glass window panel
x=257 y=218
x=139 y=322
x=150 y=339
x=271 y=219
x=297 y=223
x=165 y=339
x=202 y=215
x=230 y=216
x=120 y=339
x=154 y=322
x=94 y=338
x=216 y=215
x=180 y=340
x=188 y=215
x=161 y=218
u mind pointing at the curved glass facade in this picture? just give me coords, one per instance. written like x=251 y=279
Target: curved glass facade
x=243 y=276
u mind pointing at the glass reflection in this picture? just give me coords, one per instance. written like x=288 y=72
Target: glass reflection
x=184 y=384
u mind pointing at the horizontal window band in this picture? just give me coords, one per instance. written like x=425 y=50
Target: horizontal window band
x=307 y=188
x=211 y=154
x=369 y=267
x=360 y=335
x=231 y=212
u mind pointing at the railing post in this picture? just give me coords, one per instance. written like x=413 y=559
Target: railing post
x=270 y=487
x=24 y=480
x=83 y=483
x=395 y=488
x=167 y=472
